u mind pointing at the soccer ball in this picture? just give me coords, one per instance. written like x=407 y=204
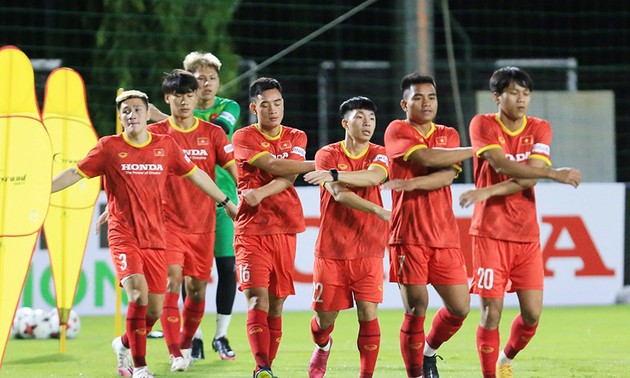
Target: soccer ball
x=41 y=324
x=23 y=323
x=72 y=328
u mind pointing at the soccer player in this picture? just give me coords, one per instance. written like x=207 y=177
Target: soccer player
x=349 y=251
x=225 y=113
x=511 y=151
x=136 y=165
x=189 y=214
x=269 y=156
x=424 y=246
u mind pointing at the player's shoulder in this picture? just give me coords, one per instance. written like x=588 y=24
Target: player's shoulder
x=537 y=122
x=443 y=129
x=484 y=117
x=159 y=127
x=225 y=101
x=209 y=126
x=377 y=148
x=397 y=123
x=288 y=130
x=246 y=130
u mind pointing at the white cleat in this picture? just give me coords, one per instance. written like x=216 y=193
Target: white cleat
x=123 y=355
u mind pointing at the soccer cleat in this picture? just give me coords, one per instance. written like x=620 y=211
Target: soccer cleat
x=319 y=359
x=197 y=349
x=142 y=372
x=178 y=364
x=123 y=355
x=222 y=345
x=429 y=367
x=187 y=355
x=263 y=372
x=504 y=371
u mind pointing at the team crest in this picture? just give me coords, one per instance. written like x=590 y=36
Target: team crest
x=203 y=141
x=343 y=167
x=159 y=152
x=265 y=144
x=122 y=155
x=528 y=139
x=501 y=140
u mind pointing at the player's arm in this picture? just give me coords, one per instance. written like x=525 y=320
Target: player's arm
x=432 y=181
x=66 y=178
x=349 y=198
x=282 y=167
x=440 y=157
x=504 y=188
x=205 y=183
x=502 y=165
x=254 y=197
x=231 y=169
x=155 y=114
x=374 y=175
x=229 y=117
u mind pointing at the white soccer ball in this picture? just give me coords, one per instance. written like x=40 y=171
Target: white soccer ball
x=72 y=328
x=42 y=327
x=24 y=322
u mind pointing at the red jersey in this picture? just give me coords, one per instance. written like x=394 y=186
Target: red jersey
x=135 y=184
x=278 y=214
x=507 y=217
x=187 y=207
x=419 y=216
x=346 y=233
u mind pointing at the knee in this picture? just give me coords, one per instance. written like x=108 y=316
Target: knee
x=460 y=311
x=530 y=317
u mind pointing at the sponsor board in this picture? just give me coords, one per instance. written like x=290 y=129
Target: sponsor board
x=582 y=237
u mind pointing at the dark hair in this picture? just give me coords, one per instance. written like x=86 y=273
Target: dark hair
x=263 y=84
x=416 y=78
x=354 y=103
x=502 y=78
x=179 y=81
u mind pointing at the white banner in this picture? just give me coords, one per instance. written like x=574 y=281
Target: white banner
x=582 y=236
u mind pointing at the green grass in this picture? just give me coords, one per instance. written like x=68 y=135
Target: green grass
x=571 y=342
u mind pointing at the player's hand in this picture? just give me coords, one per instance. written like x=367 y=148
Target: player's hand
x=399 y=185
x=251 y=197
x=230 y=209
x=101 y=219
x=318 y=177
x=473 y=196
x=384 y=214
x=569 y=176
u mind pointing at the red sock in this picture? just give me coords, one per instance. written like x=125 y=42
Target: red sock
x=275 y=336
x=171 y=323
x=136 y=323
x=412 y=344
x=443 y=327
x=488 y=349
x=258 y=335
x=320 y=336
x=368 y=343
x=520 y=336
x=150 y=323
x=192 y=314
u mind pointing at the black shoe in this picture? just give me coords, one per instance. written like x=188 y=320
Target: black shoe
x=222 y=346
x=197 y=349
x=429 y=367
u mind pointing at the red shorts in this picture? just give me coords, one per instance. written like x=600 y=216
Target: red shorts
x=266 y=261
x=500 y=266
x=193 y=252
x=414 y=264
x=129 y=259
x=336 y=281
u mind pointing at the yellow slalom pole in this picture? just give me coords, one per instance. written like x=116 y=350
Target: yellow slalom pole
x=118 y=317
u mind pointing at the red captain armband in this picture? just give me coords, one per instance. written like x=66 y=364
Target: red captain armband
x=224 y=202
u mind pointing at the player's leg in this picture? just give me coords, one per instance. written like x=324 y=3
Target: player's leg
x=322 y=325
x=257 y=325
x=194 y=308
x=409 y=268
x=170 y=319
x=137 y=292
x=369 y=338
x=226 y=283
x=452 y=286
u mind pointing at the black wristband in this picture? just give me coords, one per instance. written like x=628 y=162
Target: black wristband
x=224 y=202
x=334 y=173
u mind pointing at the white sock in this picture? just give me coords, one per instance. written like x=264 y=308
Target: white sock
x=223 y=322
x=325 y=348
x=503 y=360
x=428 y=351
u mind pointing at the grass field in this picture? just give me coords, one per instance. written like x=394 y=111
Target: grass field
x=571 y=342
